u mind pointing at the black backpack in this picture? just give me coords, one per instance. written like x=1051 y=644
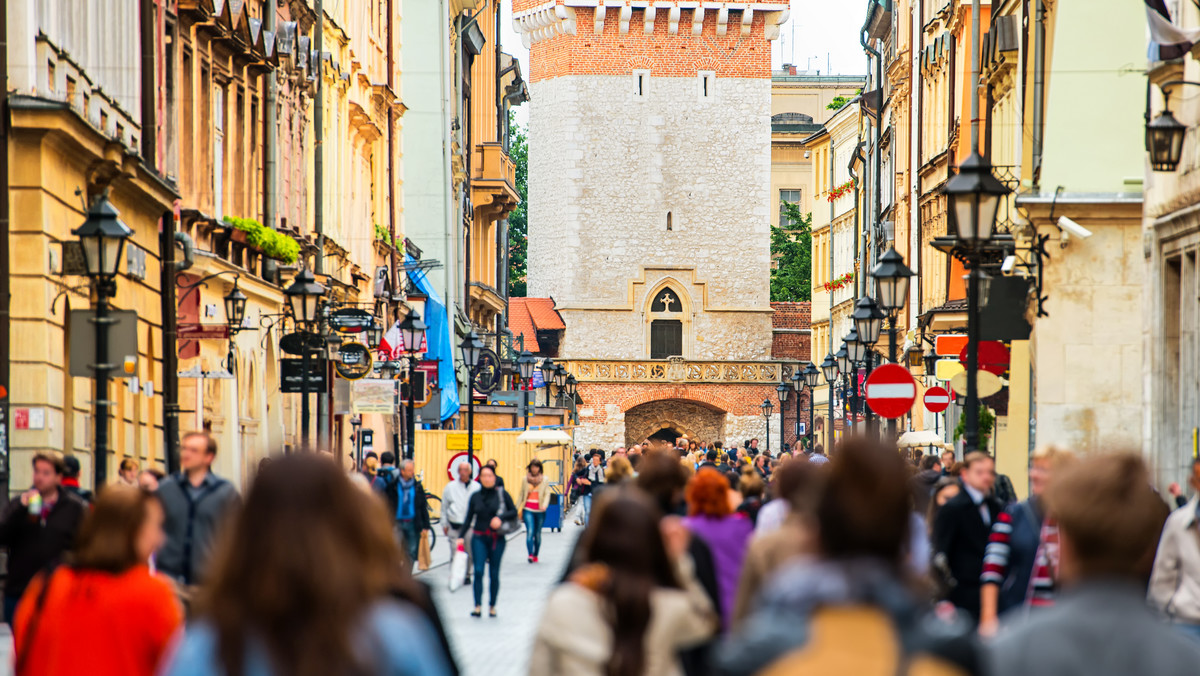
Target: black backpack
x=391 y=489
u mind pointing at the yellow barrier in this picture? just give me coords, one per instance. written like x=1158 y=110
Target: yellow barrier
x=434 y=450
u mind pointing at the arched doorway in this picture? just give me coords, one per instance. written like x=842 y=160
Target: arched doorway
x=671 y=418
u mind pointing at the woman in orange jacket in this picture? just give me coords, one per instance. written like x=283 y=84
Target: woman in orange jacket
x=104 y=612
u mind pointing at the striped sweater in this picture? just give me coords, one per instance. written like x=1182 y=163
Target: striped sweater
x=1043 y=578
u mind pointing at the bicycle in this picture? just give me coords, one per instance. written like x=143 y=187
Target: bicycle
x=433 y=505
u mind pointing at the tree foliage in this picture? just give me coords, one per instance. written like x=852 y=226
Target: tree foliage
x=791 y=249
x=518 y=225
x=839 y=101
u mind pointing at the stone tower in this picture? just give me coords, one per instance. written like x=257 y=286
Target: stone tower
x=649 y=180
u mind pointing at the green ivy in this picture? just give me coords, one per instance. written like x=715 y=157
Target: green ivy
x=273 y=244
x=381 y=234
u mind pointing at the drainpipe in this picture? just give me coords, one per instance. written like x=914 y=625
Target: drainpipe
x=319 y=202
x=1039 y=89
x=975 y=51
x=829 y=426
x=4 y=276
x=391 y=170
x=858 y=279
x=166 y=283
x=149 y=93
x=271 y=133
x=914 y=165
x=877 y=123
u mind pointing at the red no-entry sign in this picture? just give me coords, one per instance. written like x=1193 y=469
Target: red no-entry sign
x=937 y=399
x=891 y=391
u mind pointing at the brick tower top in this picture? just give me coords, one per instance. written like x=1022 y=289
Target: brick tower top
x=669 y=38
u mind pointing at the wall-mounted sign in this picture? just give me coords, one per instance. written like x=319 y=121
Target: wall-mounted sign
x=29 y=418
x=292 y=378
x=355 y=361
x=351 y=320
x=489 y=375
x=293 y=343
x=373 y=395
x=457 y=441
x=193 y=331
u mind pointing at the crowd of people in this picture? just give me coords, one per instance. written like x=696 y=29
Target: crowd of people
x=691 y=559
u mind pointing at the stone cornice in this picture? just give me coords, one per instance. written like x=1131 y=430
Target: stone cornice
x=557 y=17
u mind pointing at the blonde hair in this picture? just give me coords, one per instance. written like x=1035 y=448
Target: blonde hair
x=1056 y=456
x=619 y=469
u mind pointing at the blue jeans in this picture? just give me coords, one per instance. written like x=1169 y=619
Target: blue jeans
x=488 y=549
x=410 y=539
x=1191 y=631
x=587 y=507
x=533 y=530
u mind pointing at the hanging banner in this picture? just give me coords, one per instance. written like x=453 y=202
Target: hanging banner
x=373 y=395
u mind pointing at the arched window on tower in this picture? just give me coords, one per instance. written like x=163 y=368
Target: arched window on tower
x=666 y=324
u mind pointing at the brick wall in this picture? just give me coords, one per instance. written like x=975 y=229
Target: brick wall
x=791 y=339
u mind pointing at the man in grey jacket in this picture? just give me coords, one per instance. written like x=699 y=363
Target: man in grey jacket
x=1175 y=584
x=1109 y=519
x=197 y=504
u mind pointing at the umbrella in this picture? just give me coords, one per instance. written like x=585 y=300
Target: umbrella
x=920 y=438
x=545 y=437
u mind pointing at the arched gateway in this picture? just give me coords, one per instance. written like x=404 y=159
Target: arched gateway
x=677 y=417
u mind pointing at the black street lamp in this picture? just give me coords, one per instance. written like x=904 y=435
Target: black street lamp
x=374 y=334
x=843 y=361
x=892 y=278
x=526 y=365
x=472 y=348
x=547 y=368
x=782 y=391
x=973 y=197
x=812 y=378
x=829 y=370
x=103 y=236
x=572 y=388
x=868 y=320
x=797 y=385
x=412 y=335
x=235 y=308
x=767 y=409
x=560 y=380
x=303 y=297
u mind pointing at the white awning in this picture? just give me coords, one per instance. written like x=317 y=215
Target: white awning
x=920 y=438
x=545 y=437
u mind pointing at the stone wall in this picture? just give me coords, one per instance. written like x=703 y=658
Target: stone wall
x=610 y=171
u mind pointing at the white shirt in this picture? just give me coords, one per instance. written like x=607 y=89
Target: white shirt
x=977 y=498
x=455 y=498
x=771 y=516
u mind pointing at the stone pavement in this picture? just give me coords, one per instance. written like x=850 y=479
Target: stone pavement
x=501 y=646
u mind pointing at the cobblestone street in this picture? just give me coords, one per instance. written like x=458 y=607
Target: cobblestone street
x=501 y=646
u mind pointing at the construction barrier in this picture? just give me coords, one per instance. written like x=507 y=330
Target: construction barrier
x=434 y=450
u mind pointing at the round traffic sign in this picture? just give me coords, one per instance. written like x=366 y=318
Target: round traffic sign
x=891 y=391
x=993 y=357
x=937 y=399
x=458 y=459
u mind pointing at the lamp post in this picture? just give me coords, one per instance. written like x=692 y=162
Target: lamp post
x=843 y=361
x=767 y=409
x=303 y=297
x=526 y=364
x=412 y=334
x=235 y=315
x=560 y=380
x=374 y=335
x=547 y=368
x=782 y=391
x=797 y=385
x=103 y=236
x=868 y=322
x=829 y=369
x=974 y=196
x=572 y=388
x=812 y=378
x=892 y=279
x=472 y=348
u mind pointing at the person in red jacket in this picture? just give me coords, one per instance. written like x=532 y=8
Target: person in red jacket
x=103 y=612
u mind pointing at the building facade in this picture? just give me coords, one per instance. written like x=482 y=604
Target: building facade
x=653 y=243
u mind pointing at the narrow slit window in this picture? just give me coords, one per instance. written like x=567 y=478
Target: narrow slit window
x=641 y=83
x=705 y=83
x=670 y=223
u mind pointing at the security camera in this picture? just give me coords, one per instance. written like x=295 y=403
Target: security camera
x=1071 y=227
x=1009 y=263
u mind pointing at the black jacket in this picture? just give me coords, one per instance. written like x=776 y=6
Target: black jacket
x=35 y=543
x=960 y=534
x=485 y=504
x=391 y=491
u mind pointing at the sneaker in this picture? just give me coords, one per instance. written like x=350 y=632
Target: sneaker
x=534 y=559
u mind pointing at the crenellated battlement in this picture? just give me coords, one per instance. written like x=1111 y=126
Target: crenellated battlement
x=539 y=21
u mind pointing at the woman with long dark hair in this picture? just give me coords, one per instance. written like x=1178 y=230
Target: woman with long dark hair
x=535 y=497
x=309 y=584
x=104 y=612
x=633 y=601
x=487 y=511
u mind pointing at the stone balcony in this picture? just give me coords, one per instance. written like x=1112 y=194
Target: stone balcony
x=679 y=370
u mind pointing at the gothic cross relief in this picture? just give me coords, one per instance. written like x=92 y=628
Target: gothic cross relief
x=666 y=302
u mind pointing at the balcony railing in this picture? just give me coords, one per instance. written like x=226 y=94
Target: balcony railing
x=679 y=370
x=1009 y=176
x=489 y=162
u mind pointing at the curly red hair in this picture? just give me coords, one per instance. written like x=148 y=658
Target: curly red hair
x=708 y=494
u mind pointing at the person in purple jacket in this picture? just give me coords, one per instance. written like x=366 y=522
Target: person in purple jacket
x=727 y=533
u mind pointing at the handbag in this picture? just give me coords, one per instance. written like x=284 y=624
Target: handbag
x=424 y=556
x=507 y=526
x=458 y=567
